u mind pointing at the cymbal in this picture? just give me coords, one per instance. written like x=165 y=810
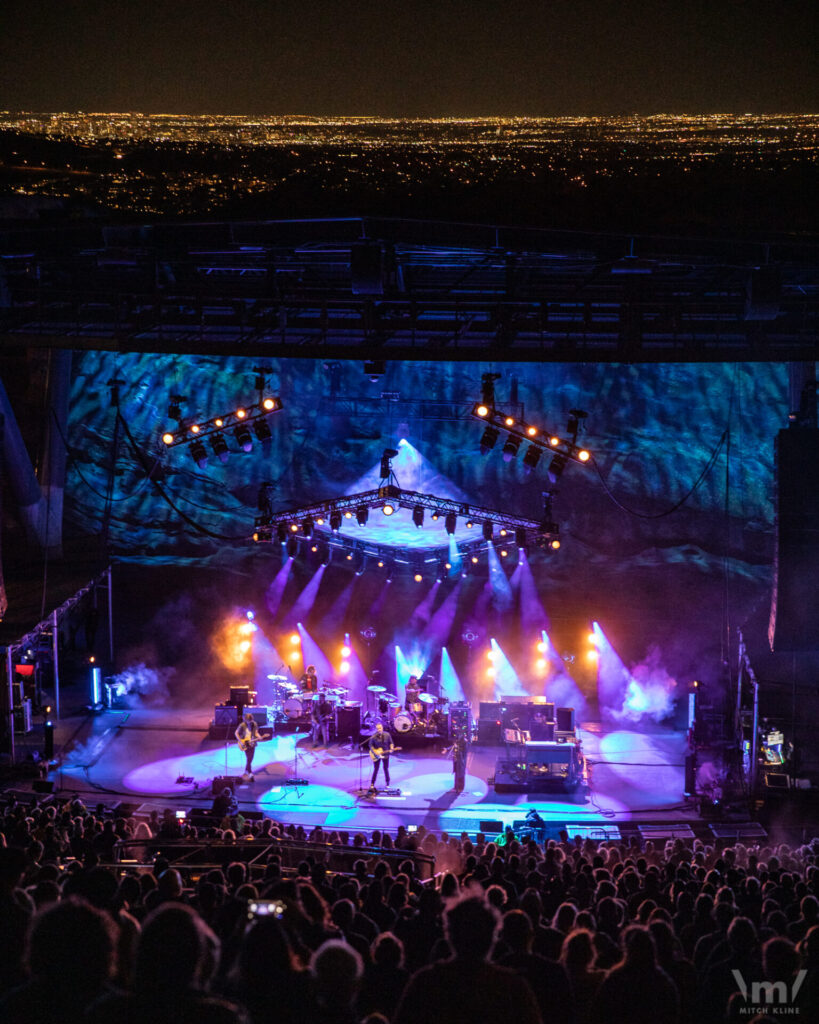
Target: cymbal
x=393 y=702
x=375 y=688
x=277 y=679
x=426 y=698
x=339 y=691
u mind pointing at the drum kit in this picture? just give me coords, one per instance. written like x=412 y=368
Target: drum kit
x=423 y=716
x=291 y=703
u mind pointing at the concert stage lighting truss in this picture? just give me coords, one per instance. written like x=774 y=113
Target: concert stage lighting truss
x=289 y=524
x=539 y=440
x=238 y=421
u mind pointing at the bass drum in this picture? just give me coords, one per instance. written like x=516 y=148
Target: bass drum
x=292 y=707
x=403 y=722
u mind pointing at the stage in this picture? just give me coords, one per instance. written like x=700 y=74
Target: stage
x=153 y=757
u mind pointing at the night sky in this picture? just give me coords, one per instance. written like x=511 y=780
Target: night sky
x=417 y=58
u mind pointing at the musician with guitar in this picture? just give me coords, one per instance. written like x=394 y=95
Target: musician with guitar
x=248 y=735
x=381 y=746
x=321 y=714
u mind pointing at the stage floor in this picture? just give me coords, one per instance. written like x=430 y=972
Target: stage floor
x=156 y=756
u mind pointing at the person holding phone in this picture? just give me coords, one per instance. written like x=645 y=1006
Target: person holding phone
x=381 y=746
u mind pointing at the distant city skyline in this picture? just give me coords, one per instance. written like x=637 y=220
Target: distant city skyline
x=450 y=58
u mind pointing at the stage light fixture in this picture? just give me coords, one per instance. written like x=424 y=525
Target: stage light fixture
x=541 y=664
x=418 y=577
x=292 y=547
x=510 y=448
x=218 y=422
x=241 y=414
x=583 y=455
x=489 y=439
x=520 y=538
x=380 y=565
x=474 y=559
x=481 y=410
x=199 y=454
x=509 y=421
x=314 y=548
x=386 y=462
x=450 y=522
x=388 y=508
x=346 y=651
x=307 y=527
x=469 y=524
x=294 y=527
x=195 y=428
x=362 y=514
x=295 y=639
x=418 y=516
x=219 y=446
x=555 y=544
x=541 y=646
x=556 y=467
x=435 y=516
x=531 y=458
x=503 y=531
x=270 y=404
x=554 y=441
x=348 y=514
x=504 y=553
x=531 y=431
x=261 y=428
x=488 y=390
x=335 y=521
x=488 y=528
x=281 y=533
x=350 y=557
x=167 y=438
x=320 y=521
x=243 y=437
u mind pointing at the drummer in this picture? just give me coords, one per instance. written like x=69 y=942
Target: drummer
x=309 y=680
x=412 y=694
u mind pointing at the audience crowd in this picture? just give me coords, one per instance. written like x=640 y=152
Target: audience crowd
x=575 y=932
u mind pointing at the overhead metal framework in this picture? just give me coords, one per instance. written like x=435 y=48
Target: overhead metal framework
x=392 y=289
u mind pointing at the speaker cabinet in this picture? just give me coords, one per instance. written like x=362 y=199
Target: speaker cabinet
x=348 y=722
x=565 y=720
x=794 y=623
x=221 y=782
x=225 y=714
x=489 y=732
x=259 y=713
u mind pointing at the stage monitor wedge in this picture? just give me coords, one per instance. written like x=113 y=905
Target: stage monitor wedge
x=794 y=623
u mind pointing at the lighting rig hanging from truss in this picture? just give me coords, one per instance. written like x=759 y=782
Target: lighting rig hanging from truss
x=244 y=423
x=561 y=449
x=289 y=526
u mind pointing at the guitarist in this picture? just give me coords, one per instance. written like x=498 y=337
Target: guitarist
x=248 y=736
x=381 y=746
x=321 y=714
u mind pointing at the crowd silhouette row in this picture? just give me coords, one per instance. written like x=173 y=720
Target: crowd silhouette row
x=575 y=932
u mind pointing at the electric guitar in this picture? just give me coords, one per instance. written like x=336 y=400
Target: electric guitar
x=247 y=743
x=384 y=753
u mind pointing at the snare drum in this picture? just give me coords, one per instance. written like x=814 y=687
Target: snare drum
x=403 y=722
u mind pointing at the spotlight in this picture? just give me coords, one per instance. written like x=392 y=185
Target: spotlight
x=555 y=544
x=474 y=559
x=294 y=527
x=481 y=410
x=488 y=528
x=450 y=522
x=504 y=553
x=380 y=565
x=418 y=516
x=281 y=533
x=435 y=516
x=362 y=514
x=295 y=639
x=348 y=514
x=199 y=454
x=243 y=437
x=195 y=428
x=240 y=414
x=292 y=547
x=167 y=438
x=583 y=455
x=503 y=531
x=554 y=441
x=386 y=462
x=511 y=448
x=531 y=431
x=320 y=521
x=418 y=577
x=219 y=446
x=174 y=407
x=269 y=404
x=314 y=548
x=447 y=566
x=388 y=508
x=261 y=428
x=335 y=521
x=531 y=458
x=346 y=651
x=307 y=527
x=344 y=668
x=469 y=524
x=489 y=439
